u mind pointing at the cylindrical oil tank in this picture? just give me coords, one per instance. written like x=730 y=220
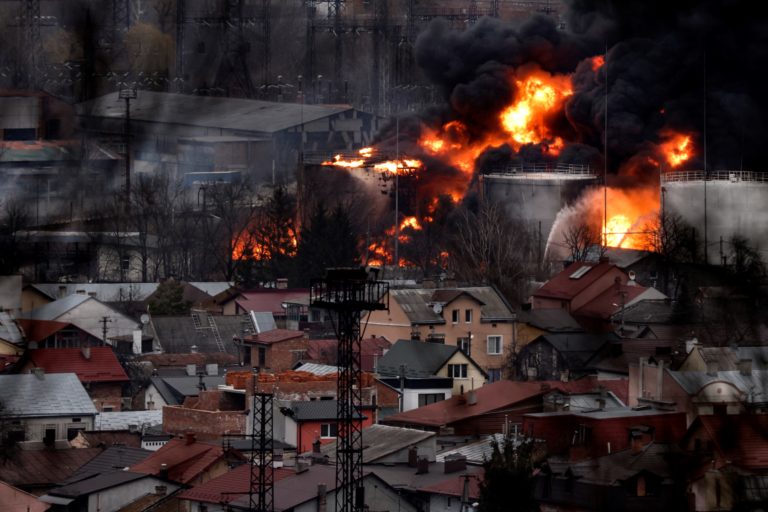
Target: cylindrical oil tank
x=535 y=195
x=735 y=205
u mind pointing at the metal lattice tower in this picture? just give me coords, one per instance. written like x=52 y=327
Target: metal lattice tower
x=335 y=13
x=346 y=293
x=261 y=492
x=31 y=24
x=235 y=64
x=495 y=11
x=380 y=36
x=472 y=12
x=309 y=57
x=180 y=20
x=121 y=18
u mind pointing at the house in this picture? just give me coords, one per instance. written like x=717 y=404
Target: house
x=12 y=498
x=53 y=334
x=703 y=359
x=418 y=360
x=475 y=318
x=200 y=331
x=614 y=359
x=385 y=444
x=119 y=295
x=212 y=414
x=532 y=323
x=314 y=488
x=302 y=423
x=276 y=350
x=495 y=408
x=371 y=350
x=457 y=493
x=110 y=459
x=577 y=285
x=97 y=368
x=164 y=391
x=88 y=314
x=413 y=393
x=697 y=393
x=127 y=420
x=37 y=471
x=215 y=494
x=559 y=356
x=589 y=434
x=660 y=319
x=45 y=410
x=644 y=477
x=187 y=461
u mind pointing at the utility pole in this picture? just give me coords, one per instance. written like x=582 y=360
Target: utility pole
x=346 y=293
x=128 y=94
x=104 y=321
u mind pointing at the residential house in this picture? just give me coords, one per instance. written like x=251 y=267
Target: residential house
x=371 y=350
x=615 y=358
x=495 y=408
x=45 y=410
x=88 y=314
x=476 y=319
x=701 y=392
x=211 y=415
x=266 y=300
x=413 y=393
x=735 y=357
x=37 y=471
x=276 y=350
x=559 y=356
x=302 y=423
x=533 y=323
x=188 y=462
x=97 y=368
x=419 y=360
x=200 y=331
x=52 y=334
x=164 y=391
x=385 y=444
x=215 y=494
x=589 y=434
x=314 y=489
x=12 y=498
x=643 y=477
x=728 y=457
x=458 y=493
x=660 y=319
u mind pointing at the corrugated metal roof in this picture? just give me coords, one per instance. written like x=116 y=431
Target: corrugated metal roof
x=105 y=292
x=122 y=420
x=382 y=440
x=57 y=394
x=212 y=288
x=420 y=358
x=9 y=331
x=419 y=303
x=317 y=368
x=219 y=112
x=55 y=309
x=476 y=453
x=754 y=384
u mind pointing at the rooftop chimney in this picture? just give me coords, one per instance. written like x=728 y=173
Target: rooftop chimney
x=600 y=403
x=455 y=462
x=86 y=352
x=190 y=438
x=191 y=370
x=412 y=456
x=322 y=497
x=193 y=349
x=422 y=466
x=282 y=283
x=163 y=470
x=39 y=373
x=161 y=490
x=471 y=397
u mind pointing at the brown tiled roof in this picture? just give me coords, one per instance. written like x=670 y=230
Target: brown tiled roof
x=563 y=286
x=43 y=468
x=741 y=439
x=101 y=366
x=38 y=330
x=609 y=302
x=454 y=486
x=184 y=461
x=270 y=300
x=274 y=336
x=371 y=349
x=229 y=486
x=12 y=498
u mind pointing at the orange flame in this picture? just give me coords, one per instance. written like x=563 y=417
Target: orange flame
x=539 y=95
x=630 y=213
x=597 y=62
x=677 y=149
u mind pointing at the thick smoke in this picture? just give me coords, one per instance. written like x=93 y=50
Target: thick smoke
x=671 y=66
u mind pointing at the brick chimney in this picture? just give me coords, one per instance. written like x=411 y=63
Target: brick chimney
x=745 y=367
x=455 y=462
x=189 y=438
x=322 y=497
x=422 y=466
x=413 y=454
x=282 y=283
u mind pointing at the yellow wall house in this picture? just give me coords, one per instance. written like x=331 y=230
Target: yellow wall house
x=476 y=319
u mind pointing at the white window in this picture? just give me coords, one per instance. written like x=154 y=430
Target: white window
x=494 y=344
x=457 y=371
x=328 y=430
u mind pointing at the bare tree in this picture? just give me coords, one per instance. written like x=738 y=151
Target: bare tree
x=580 y=239
x=489 y=248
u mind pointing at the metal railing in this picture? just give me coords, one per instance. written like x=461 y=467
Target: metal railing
x=731 y=176
x=542 y=167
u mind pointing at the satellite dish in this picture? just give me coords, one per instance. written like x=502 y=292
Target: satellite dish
x=144 y=319
x=437 y=308
x=632 y=275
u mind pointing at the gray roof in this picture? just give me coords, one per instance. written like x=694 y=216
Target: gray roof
x=648 y=312
x=620 y=257
x=105 y=292
x=618 y=412
x=550 y=320
x=728 y=357
x=418 y=303
x=401 y=476
x=380 y=441
x=175 y=389
x=56 y=394
x=177 y=334
x=122 y=420
x=317 y=368
x=421 y=358
x=212 y=288
x=314 y=410
x=111 y=459
x=754 y=384
x=576 y=348
x=97 y=483
x=55 y=309
x=262 y=321
x=210 y=111
x=617 y=467
x=9 y=331
x=477 y=452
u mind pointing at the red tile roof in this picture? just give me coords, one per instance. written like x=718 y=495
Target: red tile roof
x=270 y=300
x=741 y=439
x=274 y=336
x=184 y=462
x=43 y=468
x=371 y=349
x=498 y=395
x=12 y=498
x=564 y=287
x=102 y=366
x=229 y=486
x=454 y=486
x=609 y=302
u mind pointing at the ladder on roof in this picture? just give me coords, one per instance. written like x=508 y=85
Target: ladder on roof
x=196 y=320
x=216 y=334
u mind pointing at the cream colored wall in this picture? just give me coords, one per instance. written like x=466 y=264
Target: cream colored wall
x=9 y=349
x=474 y=379
x=393 y=324
x=694 y=362
x=32 y=299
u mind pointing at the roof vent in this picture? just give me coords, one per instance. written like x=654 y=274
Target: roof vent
x=580 y=272
x=471 y=397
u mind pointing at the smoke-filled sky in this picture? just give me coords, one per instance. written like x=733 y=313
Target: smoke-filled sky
x=670 y=66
